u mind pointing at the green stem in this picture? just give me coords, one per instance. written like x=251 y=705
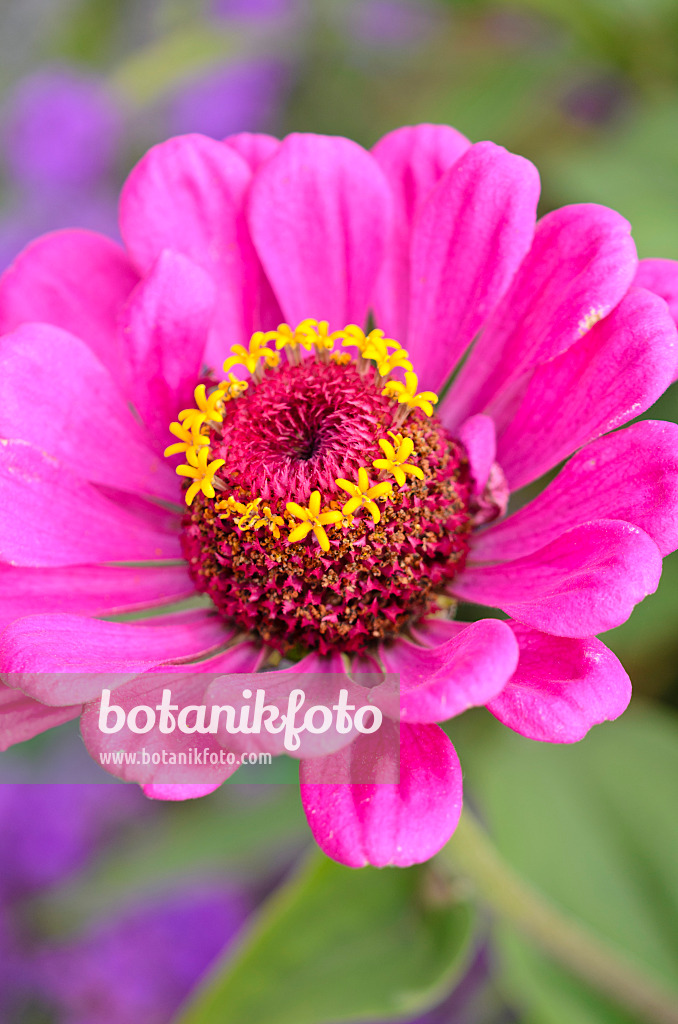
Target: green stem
x=569 y=942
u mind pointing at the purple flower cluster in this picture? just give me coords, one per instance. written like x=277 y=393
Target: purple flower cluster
x=61 y=133
x=141 y=965
x=138 y=964
x=65 y=139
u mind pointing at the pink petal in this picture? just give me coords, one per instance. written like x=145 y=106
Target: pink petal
x=253 y=147
x=170 y=791
x=256 y=149
x=63 y=659
x=320 y=678
x=467 y=670
x=433 y=632
x=561 y=688
x=50 y=517
x=22 y=718
x=631 y=474
x=385 y=824
x=478 y=437
x=91 y=427
x=580 y=266
x=188 y=687
x=586 y=581
x=166 y=325
x=89 y=589
x=469 y=239
x=413 y=159
x=614 y=373
x=661 y=277
x=320 y=216
x=75 y=280
x=243 y=657
x=187 y=194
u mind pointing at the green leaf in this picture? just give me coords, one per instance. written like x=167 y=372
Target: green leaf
x=226 y=831
x=151 y=72
x=338 y=944
x=633 y=169
x=592 y=826
x=647 y=643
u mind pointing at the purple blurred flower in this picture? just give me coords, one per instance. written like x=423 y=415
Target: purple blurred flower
x=596 y=100
x=388 y=23
x=60 y=134
x=62 y=129
x=241 y=97
x=255 y=10
x=49 y=831
x=141 y=965
x=36 y=214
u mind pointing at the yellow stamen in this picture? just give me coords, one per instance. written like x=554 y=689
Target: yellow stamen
x=188 y=440
x=394 y=361
x=353 y=336
x=201 y=472
x=229 y=506
x=233 y=388
x=318 y=334
x=377 y=348
x=271 y=521
x=247 y=519
x=407 y=394
x=209 y=409
x=285 y=336
x=312 y=519
x=395 y=461
x=249 y=357
x=364 y=494
x=346 y=522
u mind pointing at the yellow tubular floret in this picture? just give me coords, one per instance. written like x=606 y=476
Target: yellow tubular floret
x=209 y=409
x=312 y=519
x=270 y=520
x=363 y=494
x=249 y=357
x=233 y=388
x=399 y=360
x=188 y=440
x=201 y=472
x=377 y=348
x=284 y=336
x=229 y=506
x=406 y=394
x=309 y=334
x=395 y=459
x=353 y=336
x=249 y=516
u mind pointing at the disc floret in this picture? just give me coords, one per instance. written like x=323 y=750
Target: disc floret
x=286 y=550
x=312 y=518
x=364 y=495
x=395 y=459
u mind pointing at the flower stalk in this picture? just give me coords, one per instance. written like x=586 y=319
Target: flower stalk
x=569 y=942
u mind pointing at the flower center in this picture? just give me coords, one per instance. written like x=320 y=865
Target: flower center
x=327 y=506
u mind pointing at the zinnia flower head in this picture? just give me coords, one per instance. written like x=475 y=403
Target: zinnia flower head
x=352 y=359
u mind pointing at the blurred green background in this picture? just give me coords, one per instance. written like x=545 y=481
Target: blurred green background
x=588 y=90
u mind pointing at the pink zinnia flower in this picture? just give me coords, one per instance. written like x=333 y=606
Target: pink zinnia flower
x=338 y=536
